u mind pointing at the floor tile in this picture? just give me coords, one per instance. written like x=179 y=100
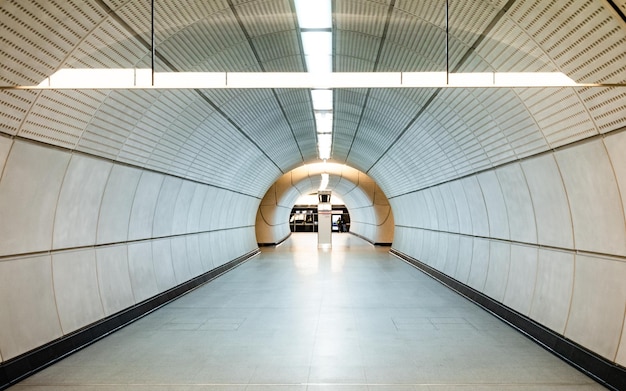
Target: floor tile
x=297 y=318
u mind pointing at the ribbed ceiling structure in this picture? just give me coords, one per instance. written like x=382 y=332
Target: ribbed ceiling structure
x=111 y=197
x=243 y=140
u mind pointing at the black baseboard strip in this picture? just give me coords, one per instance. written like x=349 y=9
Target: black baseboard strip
x=598 y=368
x=274 y=244
x=16 y=369
x=383 y=244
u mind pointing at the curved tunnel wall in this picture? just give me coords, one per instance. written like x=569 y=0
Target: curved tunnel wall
x=84 y=238
x=370 y=213
x=545 y=236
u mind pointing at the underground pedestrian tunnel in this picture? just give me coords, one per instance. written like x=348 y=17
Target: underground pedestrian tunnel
x=147 y=148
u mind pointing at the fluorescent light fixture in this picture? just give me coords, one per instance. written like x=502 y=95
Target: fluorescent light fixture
x=322 y=99
x=423 y=79
x=189 y=79
x=314 y=14
x=317 y=43
x=324 y=122
x=319 y=64
x=130 y=78
x=475 y=79
x=318 y=49
x=519 y=79
x=324 y=142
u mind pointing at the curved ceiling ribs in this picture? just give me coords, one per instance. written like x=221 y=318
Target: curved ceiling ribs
x=383 y=37
x=260 y=63
x=406 y=139
x=174 y=68
x=456 y=68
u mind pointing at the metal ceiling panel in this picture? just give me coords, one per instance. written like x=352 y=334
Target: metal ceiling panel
x=412 y=137
x=413 y=45
x=196 y=47
x=35 y=38
x=280 y=49
x=355 y=48
x=262 y=17
x=14 y=106
x=364 y=17
x=107 y=46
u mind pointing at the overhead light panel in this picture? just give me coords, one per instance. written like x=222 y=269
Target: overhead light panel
x=322 y=100
x=314 y=14
x=324 y=122
x=315 y=21
x=318 y=50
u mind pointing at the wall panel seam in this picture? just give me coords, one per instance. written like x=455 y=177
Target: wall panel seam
x=613 y=257
x=104 y=245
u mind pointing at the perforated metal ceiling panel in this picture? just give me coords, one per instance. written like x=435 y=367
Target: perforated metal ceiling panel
x=36 y=36
x=405 y=139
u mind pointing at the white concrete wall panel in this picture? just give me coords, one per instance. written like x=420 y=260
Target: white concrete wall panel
x=429 y=245
x=553 y=289
x=205 y=250
x=76 y=218
x=439 y=209
x=421 y=217
x=225 y=247
x=182 y=268
x=216 y=250
x=519 y=206
x=232 y=246
x=141 y=269
x=116 y=205
x=5 y=147
x=429 y=206
x=452 y=215
x=496 y=207
x=29 y=192
x=597 y=211
x=236 y=210
x=476 y=204
x=194 y=216
x=598 y=304
x=166 y=206
x=552 y=211
x=452 y=256
x=462 y=207
x=415 y=243
x=193 y=254
x=480 y=264
x=522 y=277
x=144 y=205
x=616 y=147
x=163 y=268
x=466 y=249
x=400 y=239
x=220 y=210
x=29 y=315
x=113 y=278
x=181 y=208
x=76 y=288
x=498 y=272
x=209 y=211
x=442 y=251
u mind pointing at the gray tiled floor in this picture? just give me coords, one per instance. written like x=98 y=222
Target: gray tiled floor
x=297 y=318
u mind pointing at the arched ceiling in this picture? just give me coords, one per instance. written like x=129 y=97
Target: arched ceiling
x=244 y=140
x=353 y=186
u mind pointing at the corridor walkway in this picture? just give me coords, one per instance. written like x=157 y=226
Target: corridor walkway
x=298 y=318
